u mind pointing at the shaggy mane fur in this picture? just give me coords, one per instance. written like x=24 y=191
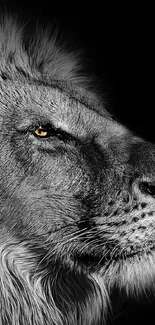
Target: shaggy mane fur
x=51 y=61
x=42 y=58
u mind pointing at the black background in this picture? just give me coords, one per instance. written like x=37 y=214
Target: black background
x=118 y=45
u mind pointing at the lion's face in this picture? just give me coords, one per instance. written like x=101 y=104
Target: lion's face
x=77 y=190
x=75 y=184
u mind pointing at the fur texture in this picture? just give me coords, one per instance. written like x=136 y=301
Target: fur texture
x=41 y=56
x=76 y=190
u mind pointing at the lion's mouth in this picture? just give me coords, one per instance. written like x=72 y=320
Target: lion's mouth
x=94 y=260
x=138 y=251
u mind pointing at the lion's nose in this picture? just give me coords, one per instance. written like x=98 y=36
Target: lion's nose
x=142 y=160
x=147 y=188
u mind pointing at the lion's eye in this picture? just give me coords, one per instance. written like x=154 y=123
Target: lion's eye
x=41 y=132
x=48 y=131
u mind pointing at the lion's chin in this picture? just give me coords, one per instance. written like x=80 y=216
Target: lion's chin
x=134 y=275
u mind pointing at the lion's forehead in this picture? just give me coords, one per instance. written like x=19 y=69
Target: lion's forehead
x=69 y=112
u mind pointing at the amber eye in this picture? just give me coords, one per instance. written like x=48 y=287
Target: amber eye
x=41 y=132
x=49 y=131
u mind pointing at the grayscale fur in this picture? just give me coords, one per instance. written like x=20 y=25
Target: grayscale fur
x=60 y=206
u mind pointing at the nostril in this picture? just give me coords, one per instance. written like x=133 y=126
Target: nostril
x=147 y=188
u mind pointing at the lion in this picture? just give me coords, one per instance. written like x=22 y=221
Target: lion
x=77 y=190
